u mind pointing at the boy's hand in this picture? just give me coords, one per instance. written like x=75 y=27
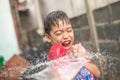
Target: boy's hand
x=78 y=50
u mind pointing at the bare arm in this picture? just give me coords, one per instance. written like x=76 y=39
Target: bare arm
x=93 y=68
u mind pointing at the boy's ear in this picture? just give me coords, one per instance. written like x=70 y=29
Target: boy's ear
x=47 y=37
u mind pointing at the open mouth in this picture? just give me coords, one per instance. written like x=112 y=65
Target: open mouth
x=66 y=44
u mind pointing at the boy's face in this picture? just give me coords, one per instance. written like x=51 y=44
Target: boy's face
x=62 y=34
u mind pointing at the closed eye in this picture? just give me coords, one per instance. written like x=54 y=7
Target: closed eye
x=59 y=32
x=69 y=29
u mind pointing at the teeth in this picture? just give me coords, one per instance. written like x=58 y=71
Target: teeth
x=67 y=42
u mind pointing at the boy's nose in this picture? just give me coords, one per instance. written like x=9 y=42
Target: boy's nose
x=65 y=35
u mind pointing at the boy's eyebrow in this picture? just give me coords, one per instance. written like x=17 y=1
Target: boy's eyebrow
x=69 y=27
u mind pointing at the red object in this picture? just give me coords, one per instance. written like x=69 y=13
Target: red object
x=56 y=51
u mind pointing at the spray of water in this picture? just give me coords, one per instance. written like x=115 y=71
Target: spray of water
x=65 y=68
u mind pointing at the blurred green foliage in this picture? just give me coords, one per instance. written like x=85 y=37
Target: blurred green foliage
x=1 y=61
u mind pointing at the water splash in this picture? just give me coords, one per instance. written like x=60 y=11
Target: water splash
x=108 y=65
x=64 y=68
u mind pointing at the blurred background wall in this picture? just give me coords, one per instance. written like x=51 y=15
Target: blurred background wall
x=8 y=40
x=96 y=24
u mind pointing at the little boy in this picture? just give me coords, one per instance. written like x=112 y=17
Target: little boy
x=58 y=30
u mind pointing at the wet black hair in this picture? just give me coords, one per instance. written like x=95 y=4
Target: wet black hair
x=53 y=18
